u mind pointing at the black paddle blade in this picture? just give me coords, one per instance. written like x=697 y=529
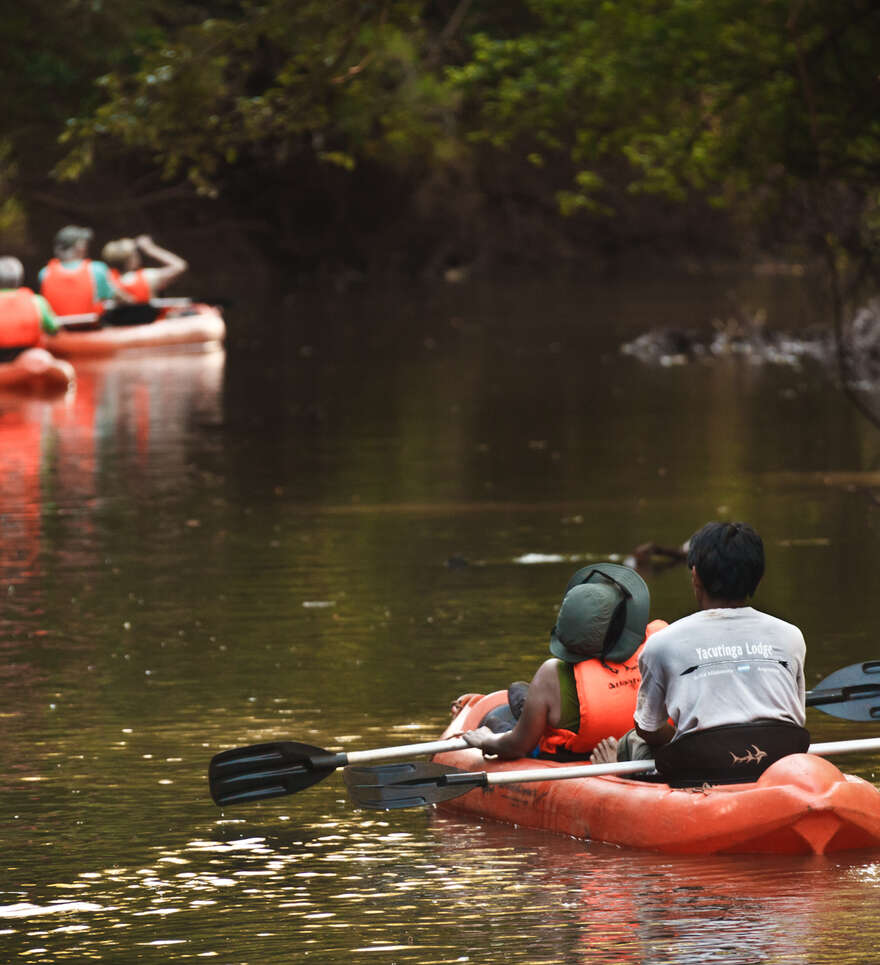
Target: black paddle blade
x=268 y=770
x=406 y=785
x=852 y=693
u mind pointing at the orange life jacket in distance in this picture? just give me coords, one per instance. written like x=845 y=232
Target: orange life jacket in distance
x=70 y=291
x=138 y=286
x=607 y=698
x=20 y=321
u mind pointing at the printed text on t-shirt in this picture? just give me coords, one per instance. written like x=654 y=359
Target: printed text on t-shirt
x=752 y=648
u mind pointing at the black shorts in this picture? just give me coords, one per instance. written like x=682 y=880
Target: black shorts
x=734 y=752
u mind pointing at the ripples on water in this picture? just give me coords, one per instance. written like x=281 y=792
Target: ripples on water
x=338 y=886
x=189 y=564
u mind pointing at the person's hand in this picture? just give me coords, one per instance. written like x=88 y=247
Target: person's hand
x=143 y=241
x=478 y=737
x=456 y=706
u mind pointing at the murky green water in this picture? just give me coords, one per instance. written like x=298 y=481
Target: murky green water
x=206 y=551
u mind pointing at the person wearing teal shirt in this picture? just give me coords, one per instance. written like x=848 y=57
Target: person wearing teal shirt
x=71 y=249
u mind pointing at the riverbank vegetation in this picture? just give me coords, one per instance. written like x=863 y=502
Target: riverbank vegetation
x=443 y=137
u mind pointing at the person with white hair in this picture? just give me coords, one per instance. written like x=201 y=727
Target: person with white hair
x=24 y=316
x=123 y=257
x=24 y=319
x=73 y=283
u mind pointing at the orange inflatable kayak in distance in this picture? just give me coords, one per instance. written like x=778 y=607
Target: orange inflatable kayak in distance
x=802 y=804
x=36 y=372
x=182 y=327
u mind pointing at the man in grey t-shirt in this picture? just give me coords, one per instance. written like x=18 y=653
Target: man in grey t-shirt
x=727 y=664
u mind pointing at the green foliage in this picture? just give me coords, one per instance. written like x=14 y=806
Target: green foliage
x=701 y=95
x=762 y=108
x=272 y=82
x=12 y=216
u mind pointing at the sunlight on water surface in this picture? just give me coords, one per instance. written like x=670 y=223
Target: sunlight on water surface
x=201 y=553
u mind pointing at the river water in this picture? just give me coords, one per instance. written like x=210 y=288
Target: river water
x=328 y=532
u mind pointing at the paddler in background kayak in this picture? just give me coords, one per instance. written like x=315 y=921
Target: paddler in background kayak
x=123 y=256
x=722 y=691
x=587 y=689
x=74 y=284
x=24 y=316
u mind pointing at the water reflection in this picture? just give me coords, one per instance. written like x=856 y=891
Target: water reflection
x=199 y=561
x=59 y=463
x=346 y=888
x=139 y=407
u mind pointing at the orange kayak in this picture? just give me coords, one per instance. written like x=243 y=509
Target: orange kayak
x=36 y=372
x=802 y=804
x=196 y=327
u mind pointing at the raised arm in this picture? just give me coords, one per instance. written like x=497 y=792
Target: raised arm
x=172 y=266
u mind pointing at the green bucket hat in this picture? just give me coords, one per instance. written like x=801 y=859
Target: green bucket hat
x=586 y=615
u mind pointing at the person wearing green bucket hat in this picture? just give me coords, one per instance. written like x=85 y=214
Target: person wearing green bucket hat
x=588 y=687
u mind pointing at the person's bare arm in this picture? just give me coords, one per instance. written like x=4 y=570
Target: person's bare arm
x=120 y=295
x=541 y=710
x=657 y=737
x=172 y=265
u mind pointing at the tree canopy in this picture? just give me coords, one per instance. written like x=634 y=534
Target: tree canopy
x=586 y=110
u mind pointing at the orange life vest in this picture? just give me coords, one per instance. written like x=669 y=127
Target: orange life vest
x=607 y=698
x=70 y=291
x=20 y=322
x=139 y=288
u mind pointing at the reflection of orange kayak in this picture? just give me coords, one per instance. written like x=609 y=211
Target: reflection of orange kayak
x=36 y=372
x=197 y=327
x=802 y=804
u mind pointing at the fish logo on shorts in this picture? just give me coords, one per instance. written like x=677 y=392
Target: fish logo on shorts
x=753 y=756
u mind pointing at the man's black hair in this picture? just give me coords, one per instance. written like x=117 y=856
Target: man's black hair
x=729 y=559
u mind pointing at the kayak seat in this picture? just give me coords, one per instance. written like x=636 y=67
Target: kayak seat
x=731 y=753
x=127 y=315
x=499 y=720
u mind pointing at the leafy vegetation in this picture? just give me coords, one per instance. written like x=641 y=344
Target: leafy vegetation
x=583 y=113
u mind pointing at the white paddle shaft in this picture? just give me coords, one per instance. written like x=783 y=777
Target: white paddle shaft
x=634 y=767
x=406 y=750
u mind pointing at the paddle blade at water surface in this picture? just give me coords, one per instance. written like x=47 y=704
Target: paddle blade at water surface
x=406 y=785
x=267 y=770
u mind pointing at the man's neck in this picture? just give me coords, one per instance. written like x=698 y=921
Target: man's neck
x=708 y=603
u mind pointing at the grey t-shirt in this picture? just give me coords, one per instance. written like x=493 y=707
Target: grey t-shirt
x=724 y=666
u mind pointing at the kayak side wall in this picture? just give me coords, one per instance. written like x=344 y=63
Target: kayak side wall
x=206 y=325
x=36 y=372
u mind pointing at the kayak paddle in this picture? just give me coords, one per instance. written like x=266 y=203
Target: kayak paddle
x=852 y=693
x=285 y=767
x=275 y=768
x=411 y=784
